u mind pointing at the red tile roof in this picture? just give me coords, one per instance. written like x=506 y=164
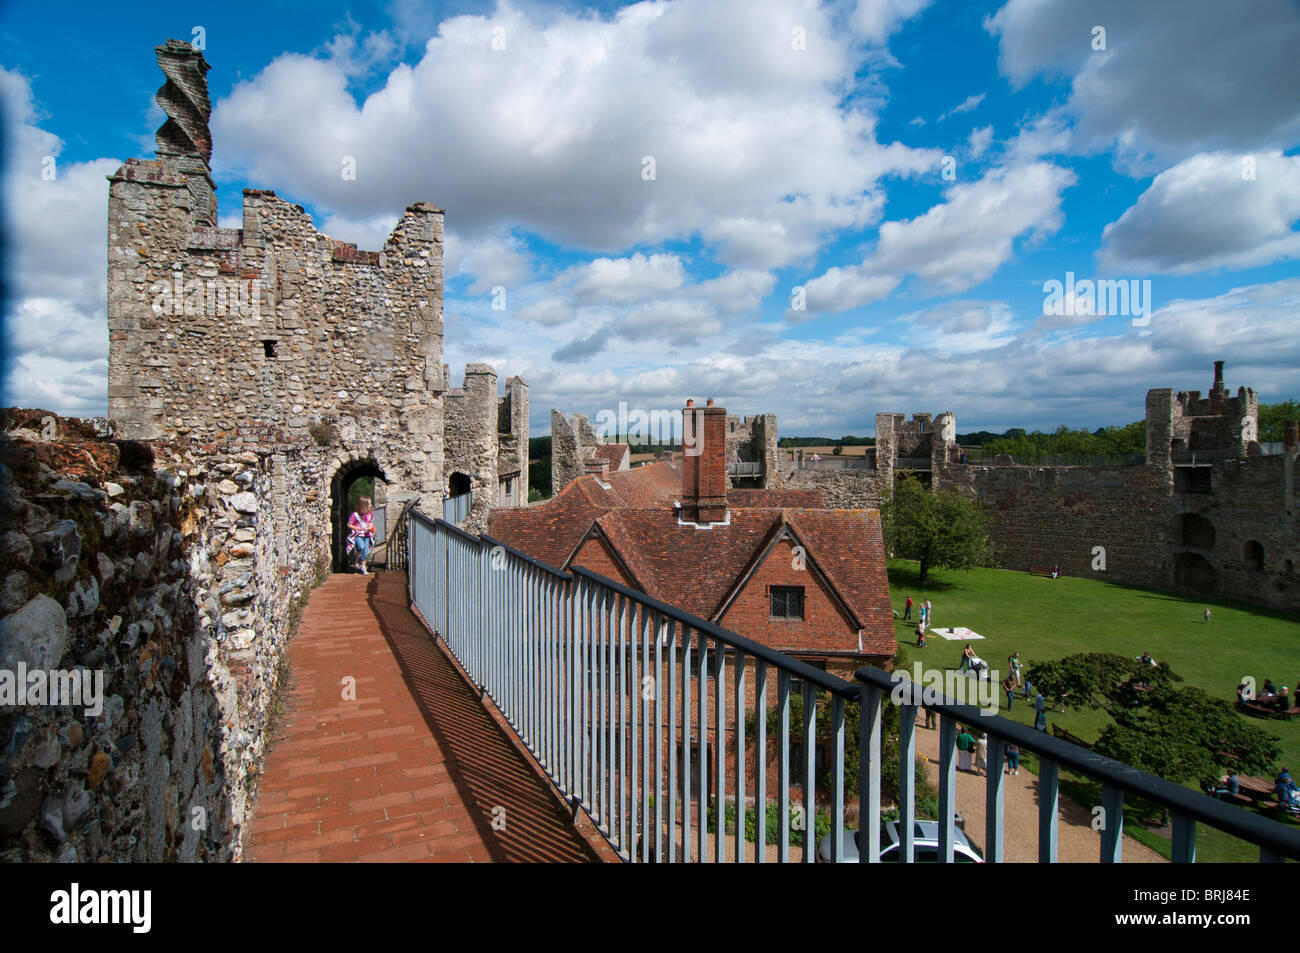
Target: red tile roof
x=613 y=453
x=698 y=569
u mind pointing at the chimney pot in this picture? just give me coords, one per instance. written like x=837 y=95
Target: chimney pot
x=690 y=403
x=709 y=403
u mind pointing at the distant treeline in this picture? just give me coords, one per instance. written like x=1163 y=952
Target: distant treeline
x=1131 y=438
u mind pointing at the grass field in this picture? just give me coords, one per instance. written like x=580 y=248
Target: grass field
x=1043 y=619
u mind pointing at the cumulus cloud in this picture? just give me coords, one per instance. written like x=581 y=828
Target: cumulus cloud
x=55 y=322
x=550 y=132
x=1177 y=77
x=956 y=244
x=1214 y=210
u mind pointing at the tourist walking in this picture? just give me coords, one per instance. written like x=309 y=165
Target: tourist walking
x=907 y=609
x=1009 y=686
x=1013 y=759
x=982 y=755
x=929 y=613
x=1207 y=614
x=1040 y=709
x=361 y=534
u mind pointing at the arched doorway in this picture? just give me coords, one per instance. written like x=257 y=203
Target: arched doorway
x=352 y=480
x=1193 y=571
x=1253 y=555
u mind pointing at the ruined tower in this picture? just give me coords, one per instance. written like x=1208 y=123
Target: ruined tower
x=271 y=333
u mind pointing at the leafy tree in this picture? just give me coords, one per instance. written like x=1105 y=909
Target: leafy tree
x=1180 y=734
x=1096 y=680
x=1273 y=418
x=939 y=529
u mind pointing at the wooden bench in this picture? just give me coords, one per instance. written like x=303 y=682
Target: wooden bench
x=1268 y=710
x=1073 y=739
x=1040 y=570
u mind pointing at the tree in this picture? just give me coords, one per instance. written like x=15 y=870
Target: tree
x=1180 y=734
x=941 y=529
x=1273 y=418
x=1095 y=680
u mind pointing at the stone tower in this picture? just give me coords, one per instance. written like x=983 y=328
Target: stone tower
x=272 y=332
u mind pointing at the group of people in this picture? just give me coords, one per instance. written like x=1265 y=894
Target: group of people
x=970 y=662
x=973 y=753
x=1269 y=696
x=923 y=622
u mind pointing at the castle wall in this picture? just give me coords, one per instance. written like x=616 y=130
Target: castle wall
x=172 y=570
x=470 y=428
x=214 y=332
x=1247 y=503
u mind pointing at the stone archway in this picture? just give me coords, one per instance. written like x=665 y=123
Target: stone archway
x=345 y=479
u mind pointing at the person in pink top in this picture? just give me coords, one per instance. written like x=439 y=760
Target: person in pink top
x=361 y=533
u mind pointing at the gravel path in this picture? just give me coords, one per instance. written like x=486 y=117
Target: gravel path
x=1077 y=842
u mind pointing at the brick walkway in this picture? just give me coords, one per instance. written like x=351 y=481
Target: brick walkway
x=415 y=769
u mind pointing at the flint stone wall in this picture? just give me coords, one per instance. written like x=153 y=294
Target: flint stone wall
x=173 y=570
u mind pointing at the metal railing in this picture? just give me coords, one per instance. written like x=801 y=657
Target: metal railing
x=617 y=694
x=867 y=462
x=912 y=463
x=979 y=457
x=1202 y=458
x=456 y=508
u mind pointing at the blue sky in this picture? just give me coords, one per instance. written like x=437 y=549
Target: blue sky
x=913 y=171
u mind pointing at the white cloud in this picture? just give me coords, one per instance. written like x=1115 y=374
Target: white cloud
x=966 y=105
x=875 y=20
x=979 y=140
x=1177 y=77
x=549 y=134
x=621 y=280
x=957 y=243
x=1204 y=213
x=55 y=327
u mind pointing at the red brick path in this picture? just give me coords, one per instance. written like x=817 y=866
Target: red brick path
x=413 y=769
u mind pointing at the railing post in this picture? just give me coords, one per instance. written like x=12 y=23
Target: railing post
x=783 y=766
x=906 y=781
x=720 y=754
x=947 y=785
x=687 y=746
x=809 y=773
x=760 y=768
x=740 y=756
x=994 y=800
x=1184 y=840
x=1112 y=831
x=837 y=780
x=1048 y=798
x=869 y=715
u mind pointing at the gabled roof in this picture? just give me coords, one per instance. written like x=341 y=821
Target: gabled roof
x=613 y=453
x=702 y=570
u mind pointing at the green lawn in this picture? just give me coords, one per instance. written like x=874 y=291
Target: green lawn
x=1042 y=619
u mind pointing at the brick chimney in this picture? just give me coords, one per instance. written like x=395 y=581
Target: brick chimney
x=1217 y=392
x=704 y=463
x=598 y=466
